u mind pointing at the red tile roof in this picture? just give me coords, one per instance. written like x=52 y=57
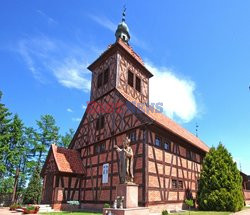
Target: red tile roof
x=170 y=125
x=67 y=160
x=128 y=49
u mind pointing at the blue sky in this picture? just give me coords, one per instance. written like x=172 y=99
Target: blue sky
x=199 y=52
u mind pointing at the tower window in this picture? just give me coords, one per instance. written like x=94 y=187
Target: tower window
x=130 y=78
x=103 y=78
x=99 y=80
x=138 y=84
x=106 y=76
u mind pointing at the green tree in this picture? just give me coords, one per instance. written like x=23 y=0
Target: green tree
x=220 y=185
x=66 y=139
x=32 y=194
x=46 y=135
x=6 y=184
x=15 y=144
x=5 y=122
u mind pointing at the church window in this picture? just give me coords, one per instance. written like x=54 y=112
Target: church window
x=194 y=156
x=132 y=136
x=130 y=78
x=102 y=147
x=96 y=149
x=174 y=184
x=138 y=84
x=180 y=184
x=166 y=145
x=188 y=155
x=158 y=141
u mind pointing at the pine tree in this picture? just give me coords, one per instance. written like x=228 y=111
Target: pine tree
x=65 y=140
x=33 y=192
x=46 y=135
x=5 y=122
x=15 y=144
x=220 y=185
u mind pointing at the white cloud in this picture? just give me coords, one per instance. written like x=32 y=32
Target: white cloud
x=69 y=110
x=76 y=119
x=48 y=18
x=72 y=74
x=104 y=21
x=84 y=107
x=176 y=94
x=65 y=62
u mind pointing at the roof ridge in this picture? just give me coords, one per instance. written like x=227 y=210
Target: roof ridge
x=169 y=124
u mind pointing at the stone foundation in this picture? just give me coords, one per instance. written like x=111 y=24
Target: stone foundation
x=169 y=207
x=64 y=207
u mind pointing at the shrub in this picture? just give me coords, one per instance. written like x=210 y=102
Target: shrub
x=220 y=185
x=189 y=202
x=31 y=208
x=164 y=212
x=14 y=206
x=106 y=205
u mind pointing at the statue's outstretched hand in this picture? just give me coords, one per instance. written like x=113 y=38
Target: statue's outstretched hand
x=117 y=148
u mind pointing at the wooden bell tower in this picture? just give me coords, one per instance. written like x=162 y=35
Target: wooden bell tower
x=120 y=67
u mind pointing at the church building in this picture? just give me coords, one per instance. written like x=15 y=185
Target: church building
x=167 y=157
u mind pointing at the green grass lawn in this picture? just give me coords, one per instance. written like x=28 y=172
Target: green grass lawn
x=73 y=213
x=205 y=213
x=185 y=213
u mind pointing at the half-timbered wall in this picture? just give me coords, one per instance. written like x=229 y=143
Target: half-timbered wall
x=117 y=118
x=173 y=164
x=118 y=122
x=111 y=64
x=93 y=190
x=67 y=188
x=122 y=83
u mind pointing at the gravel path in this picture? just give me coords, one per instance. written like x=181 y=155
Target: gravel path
x=6 y=211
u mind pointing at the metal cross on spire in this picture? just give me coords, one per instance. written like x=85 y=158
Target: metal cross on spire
x=196 y=129
x=124 y=13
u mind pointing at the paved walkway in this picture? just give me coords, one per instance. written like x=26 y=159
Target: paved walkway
x=6 y=211
x=243 y=212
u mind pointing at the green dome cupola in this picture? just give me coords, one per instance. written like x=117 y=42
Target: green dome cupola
x=122 y=30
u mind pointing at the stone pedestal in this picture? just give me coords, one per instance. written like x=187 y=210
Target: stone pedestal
x=126 y=211
x=130 y=193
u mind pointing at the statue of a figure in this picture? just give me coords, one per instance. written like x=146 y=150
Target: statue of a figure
x=126 y=158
